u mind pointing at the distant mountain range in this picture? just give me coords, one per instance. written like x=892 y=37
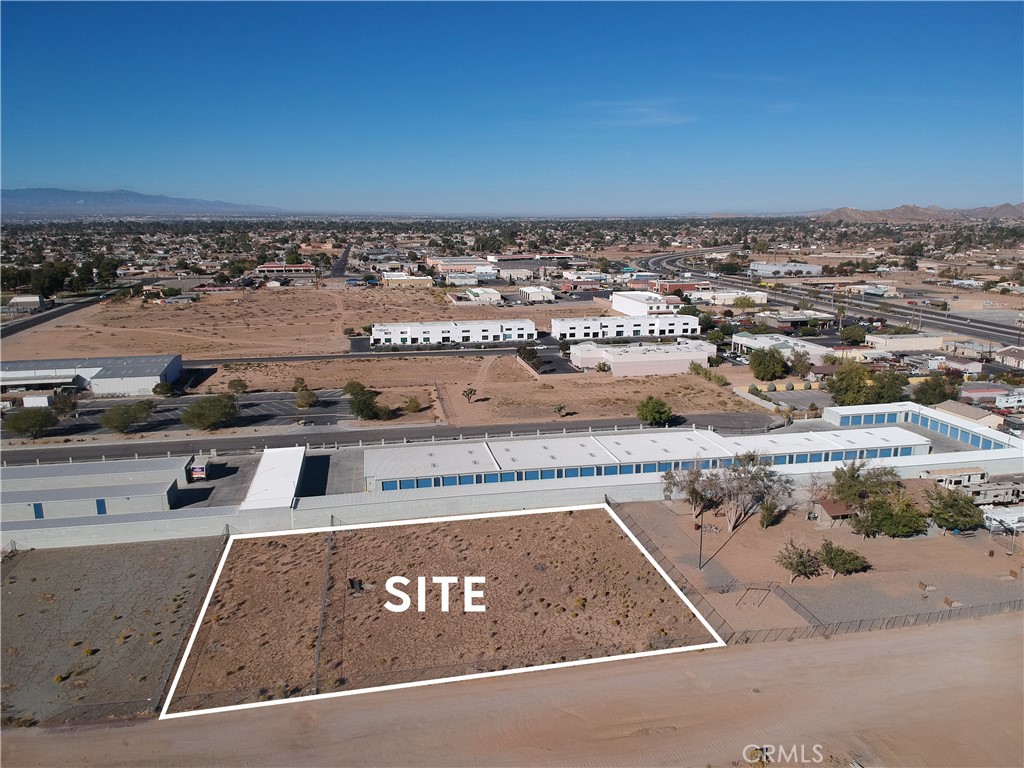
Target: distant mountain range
x=120 y=202
x=912 y=214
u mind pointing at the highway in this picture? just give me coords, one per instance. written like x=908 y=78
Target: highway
x=917 y=316
x=344 y=436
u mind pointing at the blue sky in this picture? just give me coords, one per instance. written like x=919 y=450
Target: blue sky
x=531 y=109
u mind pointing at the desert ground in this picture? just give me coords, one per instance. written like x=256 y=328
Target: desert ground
x=94 y=632
x=559 y=587
x=881 y=698
x=507 y=391
x=267 y=322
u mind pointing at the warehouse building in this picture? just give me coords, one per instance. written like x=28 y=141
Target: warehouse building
x=794 y=320
x=453 y=332
x=723 y=298
x=536 y=294
x=637 y=326
x=903 y=342
x=643 y=359
x=403 y=280
x=135 y=375
x=789 y=269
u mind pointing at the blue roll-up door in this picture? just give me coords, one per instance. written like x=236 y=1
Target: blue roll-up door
x=37 y=510
x=101 y=506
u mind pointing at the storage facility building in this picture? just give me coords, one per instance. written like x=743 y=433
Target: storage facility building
x=643 y=359
x=453 y=332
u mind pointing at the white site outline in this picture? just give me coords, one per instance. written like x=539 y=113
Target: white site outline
x=165 y=715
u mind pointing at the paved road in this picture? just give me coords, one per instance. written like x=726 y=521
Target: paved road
x=348 y=435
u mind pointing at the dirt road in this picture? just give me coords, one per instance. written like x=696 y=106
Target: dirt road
x=947 y=695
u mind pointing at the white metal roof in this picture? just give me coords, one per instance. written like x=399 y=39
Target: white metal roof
x=85 y=494
x=544 y=452
x=276 y=478
x=83 y=469
x=422 y=460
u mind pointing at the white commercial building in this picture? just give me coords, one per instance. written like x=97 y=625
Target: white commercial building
x=135 y=375
x=1013 y=399
x=452 y=332
x=905 y=342
x=644 y=303
x=723 y=298
x=277 y=478
x=402 y=280
x=746 y=342
x=576 y=276
x=483 y=295
x=636 y=326
x=643 y=359
x=534 y=294
x=789 y=269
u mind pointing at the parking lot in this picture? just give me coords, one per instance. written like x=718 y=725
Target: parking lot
x=257 y=409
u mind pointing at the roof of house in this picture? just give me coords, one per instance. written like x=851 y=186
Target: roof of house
x=960 y=409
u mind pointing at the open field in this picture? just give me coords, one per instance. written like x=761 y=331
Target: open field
x=507 y=392
x=883 y=698
x=559 y=587
x=108 y=621
x=267 y=322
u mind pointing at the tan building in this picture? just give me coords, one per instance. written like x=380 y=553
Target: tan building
x=643 y=359
x=402 y=280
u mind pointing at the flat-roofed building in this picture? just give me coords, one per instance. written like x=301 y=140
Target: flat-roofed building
x=903 y=342
x=403 y=280
x=276 y=480
x=452 y=332
x=537 y=294
x=636 y=326
x=275 y=269
x=795 y=319
x=446 y=264
x=643 y=359
x=483 y=296
x=129 y=375
x=634 y=303
x=726 y=298
x=744 y=342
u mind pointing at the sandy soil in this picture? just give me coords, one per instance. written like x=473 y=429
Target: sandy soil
x=281 y=321
x=506 y=391
x=559 y=586
x=883 y=698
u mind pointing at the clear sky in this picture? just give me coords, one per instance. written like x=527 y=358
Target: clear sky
x=532 y=109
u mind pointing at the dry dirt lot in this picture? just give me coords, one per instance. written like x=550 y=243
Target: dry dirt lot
x=93 y=632
x=506 y=390
x=559 y=587
x=263 y=323
x=883 y=698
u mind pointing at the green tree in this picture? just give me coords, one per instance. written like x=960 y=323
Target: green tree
x=306 y=398
x=31 y=422
x=744 y=302
x=210 y=412
x=412 y=405
x=364 y=405
x=298 y=384
x=855 y=484
x=800 y=362
x=121 y=418
x=886 y=387
x=163 y=389
x=238 y=386
x=840 y=560
x=894 y=516
x=853 y=334
x=469 y=393
x=937 y=388
x=953 y=510
x=654 y=411
x=767 y=364
x=848 y=385
x=353 y=387
x=64 y=404
x=715 y=336
x=798 y=560
x=560 y=410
